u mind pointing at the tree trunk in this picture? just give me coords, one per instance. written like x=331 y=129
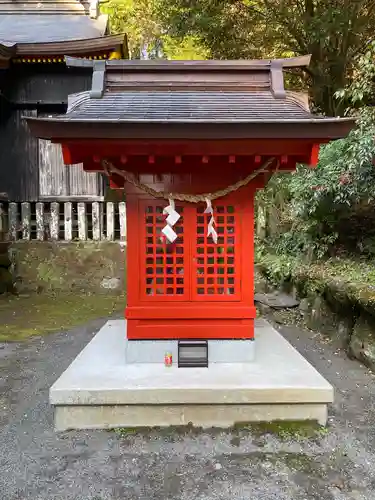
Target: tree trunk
x=327 y=79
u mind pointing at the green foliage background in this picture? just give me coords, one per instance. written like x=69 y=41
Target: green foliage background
x=141 y=21
x=317 y=212
x=331 y=209
x=334 y=32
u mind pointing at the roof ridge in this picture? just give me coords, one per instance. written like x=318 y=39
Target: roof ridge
x=196 y=65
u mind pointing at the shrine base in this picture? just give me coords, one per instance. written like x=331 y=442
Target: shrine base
x=219 y=351
x=100 y=390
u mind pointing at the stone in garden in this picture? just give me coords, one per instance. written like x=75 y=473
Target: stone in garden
x=111 y=283
x=323 y=319
x=276 y=300
x=362 y=342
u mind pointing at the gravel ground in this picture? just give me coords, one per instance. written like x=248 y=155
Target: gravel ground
x=35 y=463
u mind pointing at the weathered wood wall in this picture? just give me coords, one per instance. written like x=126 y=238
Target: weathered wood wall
x=19 y=163
x=32 y=169
x=59 y=182
x=44 y=85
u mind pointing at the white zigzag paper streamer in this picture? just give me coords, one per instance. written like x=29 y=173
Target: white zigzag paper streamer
x=211 y=231
x=173 y=217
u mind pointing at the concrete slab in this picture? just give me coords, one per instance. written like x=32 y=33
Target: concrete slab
x=99 y=390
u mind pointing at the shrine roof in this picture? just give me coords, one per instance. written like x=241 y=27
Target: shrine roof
x=189 y=99
x=38 y=28
x=56 y=27
x=50 y=21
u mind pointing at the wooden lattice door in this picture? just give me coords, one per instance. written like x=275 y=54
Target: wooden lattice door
x=193 y=268
x=217 y=266
x=165 y=276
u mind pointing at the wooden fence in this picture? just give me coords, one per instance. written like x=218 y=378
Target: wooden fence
x=64 y=221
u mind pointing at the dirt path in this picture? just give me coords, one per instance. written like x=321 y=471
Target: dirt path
x=37 y=464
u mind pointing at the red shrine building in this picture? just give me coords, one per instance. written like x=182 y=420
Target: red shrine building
x=190 y=142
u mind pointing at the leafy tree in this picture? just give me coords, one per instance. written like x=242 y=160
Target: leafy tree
x=333 y=31
x=140 y=20
x=324 y=201
x=361 y=91
x=137 y=18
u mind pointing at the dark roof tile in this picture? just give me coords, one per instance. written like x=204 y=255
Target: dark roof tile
x=38 y=28
x=186 y=106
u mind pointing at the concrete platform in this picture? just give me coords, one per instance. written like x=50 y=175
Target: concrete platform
x=99 y=390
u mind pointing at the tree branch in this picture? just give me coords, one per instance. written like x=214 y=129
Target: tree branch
x=244 y=7
x=309 y=8
x=286 y=20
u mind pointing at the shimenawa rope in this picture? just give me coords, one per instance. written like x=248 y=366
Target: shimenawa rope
x=207 y=198
x=110 y=169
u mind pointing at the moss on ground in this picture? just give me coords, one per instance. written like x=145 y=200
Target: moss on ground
x=350 y=282
x=284 y=430
x=61 y=286
x=25 y=317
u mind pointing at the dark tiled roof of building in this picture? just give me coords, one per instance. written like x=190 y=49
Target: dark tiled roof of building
x=39 y=28
x=47 y=6
x=185 y=106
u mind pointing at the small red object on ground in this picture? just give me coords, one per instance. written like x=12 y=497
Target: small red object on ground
x=168 y=359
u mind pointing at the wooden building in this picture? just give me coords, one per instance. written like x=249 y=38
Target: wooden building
x=35 y=81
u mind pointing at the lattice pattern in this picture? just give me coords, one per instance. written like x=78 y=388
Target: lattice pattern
x=164 y=262
x=215 y=264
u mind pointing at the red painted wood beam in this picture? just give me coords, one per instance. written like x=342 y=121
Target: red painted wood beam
x=167 y=165
x=82 y=149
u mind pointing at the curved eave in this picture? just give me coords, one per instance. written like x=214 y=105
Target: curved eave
x=77 y=47
x=314 y=129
